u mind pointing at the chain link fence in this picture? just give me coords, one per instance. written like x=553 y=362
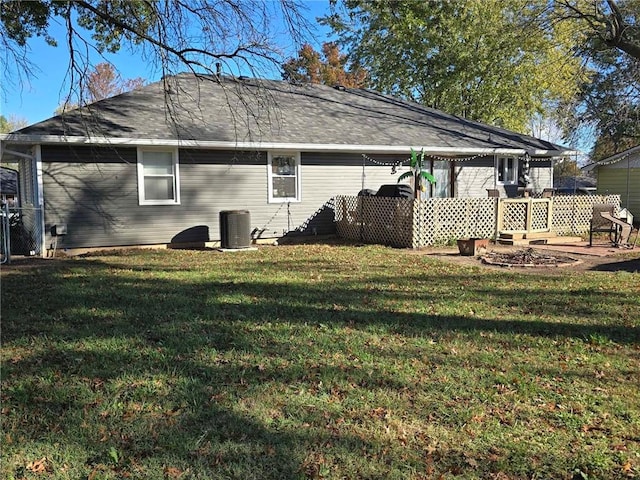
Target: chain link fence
x=20 y=233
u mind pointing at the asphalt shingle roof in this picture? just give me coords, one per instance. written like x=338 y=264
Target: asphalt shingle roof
x=249 y=110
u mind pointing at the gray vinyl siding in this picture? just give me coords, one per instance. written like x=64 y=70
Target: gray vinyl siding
x=622 y=178
x=326 y=175
x=475 y=177
x=94 y=191
x=94 y=200
x=541 y=175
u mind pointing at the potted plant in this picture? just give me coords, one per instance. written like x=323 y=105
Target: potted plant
x=418 y=173
x=472 y=247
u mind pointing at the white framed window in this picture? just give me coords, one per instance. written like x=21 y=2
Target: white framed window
x=284 y=177
x=158 y=177
x=506 y=170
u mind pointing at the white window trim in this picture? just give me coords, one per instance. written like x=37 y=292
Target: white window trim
x=176 y=177
x=270 y=177
x=497 y=172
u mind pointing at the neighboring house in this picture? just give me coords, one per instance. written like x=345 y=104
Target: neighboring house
x=574 y=185
x=620 y=174
x=9 y=186
x=159 y=164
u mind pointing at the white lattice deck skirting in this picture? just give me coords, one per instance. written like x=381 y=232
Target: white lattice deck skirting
x=408 y=223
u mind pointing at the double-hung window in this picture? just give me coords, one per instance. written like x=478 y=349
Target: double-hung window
x=158 y=180
x=284 y=177
x=507 y=170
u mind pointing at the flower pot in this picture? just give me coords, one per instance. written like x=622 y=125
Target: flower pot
x=471 y=247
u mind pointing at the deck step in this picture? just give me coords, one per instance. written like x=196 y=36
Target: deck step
x=540 y=235
x=561 y=240
x=512 y=236
x=550 y=240
x=520 y=236
x=520 y=242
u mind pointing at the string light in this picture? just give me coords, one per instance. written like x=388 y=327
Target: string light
x=437 y=157
x=610 y=162
x=455 y=159
x=398 y=163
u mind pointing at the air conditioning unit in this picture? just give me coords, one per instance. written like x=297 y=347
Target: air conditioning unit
x=235 y=229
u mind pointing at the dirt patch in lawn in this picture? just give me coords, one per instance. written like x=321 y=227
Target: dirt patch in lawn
x=529 y=257
x=612 y=261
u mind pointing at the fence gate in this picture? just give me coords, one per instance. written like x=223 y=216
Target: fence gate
x=21 y=232
x=524 y=215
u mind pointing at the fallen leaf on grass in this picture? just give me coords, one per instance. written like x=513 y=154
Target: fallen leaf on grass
x=173 y=472
x=97 y=469
x=39 y=466
x=627 y=467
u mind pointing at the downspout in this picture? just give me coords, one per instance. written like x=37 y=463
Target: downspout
x=431 y=187
x=452 y=179
x=626 y=203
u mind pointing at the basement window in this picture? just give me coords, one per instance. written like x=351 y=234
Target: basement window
x=158 y=179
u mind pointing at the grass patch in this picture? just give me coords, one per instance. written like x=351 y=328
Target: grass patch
x=316 y=362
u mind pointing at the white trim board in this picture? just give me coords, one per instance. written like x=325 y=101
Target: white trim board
x=268 y=146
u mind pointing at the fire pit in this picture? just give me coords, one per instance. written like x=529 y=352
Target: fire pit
x=529 y=257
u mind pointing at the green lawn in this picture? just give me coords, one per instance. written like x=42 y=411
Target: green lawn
x=316 y=362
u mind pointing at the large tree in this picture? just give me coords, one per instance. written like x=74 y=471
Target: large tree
x=487 y=60
x=12 y=123
x=105 y=82
x=102 y=82
x=173 y=35
x=614 y=23
x=608 y=106
x=329 y=67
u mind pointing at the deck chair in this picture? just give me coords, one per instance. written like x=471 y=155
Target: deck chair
x=602 y=221
x=624 y=230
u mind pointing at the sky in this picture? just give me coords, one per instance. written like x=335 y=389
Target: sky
x=35 y=99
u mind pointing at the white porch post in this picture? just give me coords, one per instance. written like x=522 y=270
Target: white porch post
x=39 y=200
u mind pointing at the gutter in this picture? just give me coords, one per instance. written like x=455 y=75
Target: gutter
x=273 y=146
x=614 y=158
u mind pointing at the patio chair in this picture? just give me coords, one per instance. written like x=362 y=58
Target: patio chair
x=602 y=222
